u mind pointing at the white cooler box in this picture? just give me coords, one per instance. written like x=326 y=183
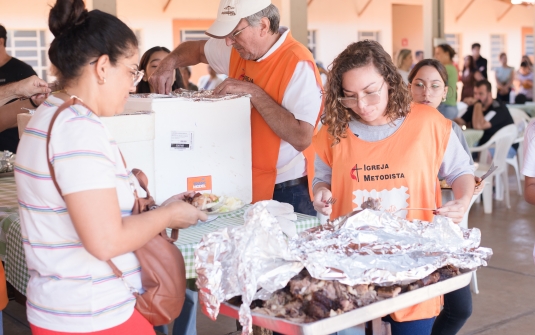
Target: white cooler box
x=185 y=140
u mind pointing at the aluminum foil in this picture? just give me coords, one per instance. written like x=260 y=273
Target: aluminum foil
x=241 y=260
x=6 y=161
x=202 y=95
x=256 y=259
x=380 y=248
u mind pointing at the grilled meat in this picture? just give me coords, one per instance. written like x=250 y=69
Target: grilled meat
x=307 y=299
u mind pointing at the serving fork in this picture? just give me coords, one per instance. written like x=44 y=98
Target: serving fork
x=331 y=201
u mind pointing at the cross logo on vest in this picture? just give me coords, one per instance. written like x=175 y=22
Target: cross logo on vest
x=355 y=173
x=229 y=8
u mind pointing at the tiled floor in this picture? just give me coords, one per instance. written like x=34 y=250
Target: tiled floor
x=505 y=304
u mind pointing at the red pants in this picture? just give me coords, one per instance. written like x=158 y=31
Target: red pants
x=136 y=325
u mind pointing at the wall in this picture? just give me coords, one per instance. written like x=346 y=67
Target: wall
x=25 y=14
x=337 y=23
x=481 y=20
x=407 y=26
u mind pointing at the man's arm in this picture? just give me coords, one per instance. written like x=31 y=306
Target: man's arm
x=478 y=119
x=296 y=132
x=186 y=54
x=23 y=88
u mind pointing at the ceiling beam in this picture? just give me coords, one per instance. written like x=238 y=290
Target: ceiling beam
x=505 y=12
x=166 y=5
x=359 y=13
x=464 y=10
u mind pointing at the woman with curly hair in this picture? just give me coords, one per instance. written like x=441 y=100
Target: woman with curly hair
x=378 y=149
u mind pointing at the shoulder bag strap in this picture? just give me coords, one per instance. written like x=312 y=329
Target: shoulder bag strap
x=60 y=109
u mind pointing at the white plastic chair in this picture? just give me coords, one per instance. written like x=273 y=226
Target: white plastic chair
x=521 y=120
x=501 y=141
x=447 y=195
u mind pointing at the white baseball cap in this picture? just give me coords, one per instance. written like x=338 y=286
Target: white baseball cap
x=231 y=12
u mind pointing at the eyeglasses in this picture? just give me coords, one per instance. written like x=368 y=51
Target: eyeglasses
x=369 y=99
x=433 y=90
x=236 y=33
x=137 y=75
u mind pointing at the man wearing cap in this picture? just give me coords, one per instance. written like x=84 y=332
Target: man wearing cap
x=264 y=60
x=279 y=73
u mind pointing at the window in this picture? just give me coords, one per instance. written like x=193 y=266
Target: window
x=369 y=35
x=312 y=42
x=497 y=46
x=454 y=40
x=193 y=35
x=529 y=45
x=30 y=47
x=139 y=37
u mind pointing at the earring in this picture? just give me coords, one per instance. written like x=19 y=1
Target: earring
x=102 y=81
x=444 y=99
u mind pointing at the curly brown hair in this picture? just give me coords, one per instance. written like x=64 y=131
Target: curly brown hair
x=357 y=55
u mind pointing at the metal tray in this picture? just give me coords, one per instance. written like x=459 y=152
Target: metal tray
x=357 y=316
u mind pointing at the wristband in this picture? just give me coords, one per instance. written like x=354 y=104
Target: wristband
x=33 y=103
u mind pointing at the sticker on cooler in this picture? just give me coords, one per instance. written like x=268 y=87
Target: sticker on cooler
x=181 y=140
x=203 y=183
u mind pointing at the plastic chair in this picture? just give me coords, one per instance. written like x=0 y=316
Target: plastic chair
x=501 y=141
x=447 y=195
x=521 y=120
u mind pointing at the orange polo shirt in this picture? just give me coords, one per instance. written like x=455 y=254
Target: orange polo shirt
x=397 y=172
x=272 y=74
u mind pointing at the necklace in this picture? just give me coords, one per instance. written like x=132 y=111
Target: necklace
x=71 y=95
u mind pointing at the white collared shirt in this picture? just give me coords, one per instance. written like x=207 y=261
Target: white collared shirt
x=302 y=96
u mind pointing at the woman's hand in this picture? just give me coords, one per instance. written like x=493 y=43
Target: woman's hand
x=182 y=214
x=454 y=210
x=321 y=196
x=479 y=188
x=463 y=190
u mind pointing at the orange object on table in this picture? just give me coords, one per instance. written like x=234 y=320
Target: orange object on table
x=3 y=288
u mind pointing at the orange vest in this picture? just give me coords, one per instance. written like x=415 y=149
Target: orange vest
x=397 y=172
x=273 y=75
x=3 y=288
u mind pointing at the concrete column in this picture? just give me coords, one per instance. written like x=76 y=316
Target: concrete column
x=294 y=15
x=108 y=6
x=433 y=12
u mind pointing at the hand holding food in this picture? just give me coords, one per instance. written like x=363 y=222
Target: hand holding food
x=320 y=201
x=212 y=203
x=454 y=210
x=178 y=197
x=480 y=185
x=183 y=214
x=31 y=86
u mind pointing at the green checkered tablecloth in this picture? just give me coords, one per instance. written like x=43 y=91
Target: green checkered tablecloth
x=190 y=238
x=12 y=252
x=8 y=192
